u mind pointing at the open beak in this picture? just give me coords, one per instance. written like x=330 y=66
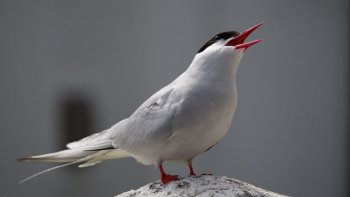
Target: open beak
x=238 y=41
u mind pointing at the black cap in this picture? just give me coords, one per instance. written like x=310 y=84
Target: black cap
x=221 y=36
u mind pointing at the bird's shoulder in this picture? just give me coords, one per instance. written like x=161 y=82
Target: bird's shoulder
x=164 y=98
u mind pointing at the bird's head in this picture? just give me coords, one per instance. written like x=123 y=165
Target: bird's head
x=231 y=39
x=226 y=47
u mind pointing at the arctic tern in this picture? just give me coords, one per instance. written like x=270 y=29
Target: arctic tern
x=182 y=120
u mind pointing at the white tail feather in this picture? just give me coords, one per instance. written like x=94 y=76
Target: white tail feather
x=104 y=155
x=87 y=158
x=63 y=156
x=47 y=170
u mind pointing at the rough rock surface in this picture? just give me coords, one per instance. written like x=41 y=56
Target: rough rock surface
x=203 y=185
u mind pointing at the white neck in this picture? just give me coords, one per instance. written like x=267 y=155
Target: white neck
x=216 y=62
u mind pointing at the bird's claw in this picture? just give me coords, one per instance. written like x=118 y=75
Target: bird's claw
x=167 y=178
x=206 y=174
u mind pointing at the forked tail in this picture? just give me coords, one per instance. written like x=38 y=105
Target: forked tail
x=72 y=157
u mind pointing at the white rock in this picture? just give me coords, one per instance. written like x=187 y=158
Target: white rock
x=203 y=185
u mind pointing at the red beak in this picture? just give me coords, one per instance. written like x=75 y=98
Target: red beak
x=237 y=42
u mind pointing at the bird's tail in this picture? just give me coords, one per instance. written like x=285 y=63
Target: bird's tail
x=63 y=156
x=72 y=157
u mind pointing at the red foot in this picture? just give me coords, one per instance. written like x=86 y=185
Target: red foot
x=167 y=178
x=189 y=163
x=191 y=169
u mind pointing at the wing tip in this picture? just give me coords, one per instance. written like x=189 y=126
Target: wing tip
x=25 y=159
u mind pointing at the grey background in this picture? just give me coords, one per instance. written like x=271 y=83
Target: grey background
x=88 y=64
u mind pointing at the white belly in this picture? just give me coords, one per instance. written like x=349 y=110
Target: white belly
x=199 y=126
x=201 y=120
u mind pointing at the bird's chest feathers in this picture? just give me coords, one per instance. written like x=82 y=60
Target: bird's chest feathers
x=207 y=105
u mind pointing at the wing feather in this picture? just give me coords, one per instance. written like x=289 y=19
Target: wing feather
x=151 y=124
x=98 y=141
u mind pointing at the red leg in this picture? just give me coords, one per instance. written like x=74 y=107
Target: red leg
x=166 y=178
x=191 y=169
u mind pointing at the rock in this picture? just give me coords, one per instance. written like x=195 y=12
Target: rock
x=203 y=185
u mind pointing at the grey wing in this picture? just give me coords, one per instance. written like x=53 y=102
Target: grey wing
x=150 y=122
x=98 y=141
x=150 y=125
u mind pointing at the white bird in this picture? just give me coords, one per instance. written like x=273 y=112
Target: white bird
x=180 y=121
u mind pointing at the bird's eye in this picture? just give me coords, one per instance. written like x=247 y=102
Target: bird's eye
x=217 y=38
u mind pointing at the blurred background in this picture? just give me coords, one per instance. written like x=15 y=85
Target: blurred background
x=72 y=68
